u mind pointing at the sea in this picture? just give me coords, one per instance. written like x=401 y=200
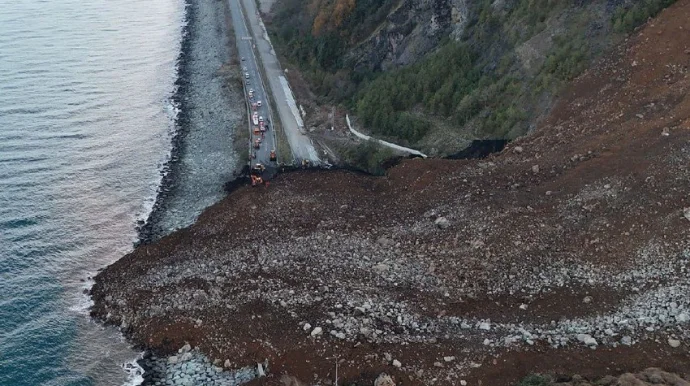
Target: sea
x=86 y=121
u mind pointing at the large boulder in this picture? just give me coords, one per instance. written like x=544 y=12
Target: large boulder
x=384 y=380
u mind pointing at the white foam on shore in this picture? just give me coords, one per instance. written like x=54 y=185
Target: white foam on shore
x=135 y=373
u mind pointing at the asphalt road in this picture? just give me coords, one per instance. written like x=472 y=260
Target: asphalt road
x=253 y=81
x=301 y=145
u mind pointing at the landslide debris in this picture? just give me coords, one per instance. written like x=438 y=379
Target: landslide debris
x=568 y=251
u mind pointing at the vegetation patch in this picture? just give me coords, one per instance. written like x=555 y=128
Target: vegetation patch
x=478 y=84
x=369 y=156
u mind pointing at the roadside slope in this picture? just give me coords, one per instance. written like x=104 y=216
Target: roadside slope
x=571 y=239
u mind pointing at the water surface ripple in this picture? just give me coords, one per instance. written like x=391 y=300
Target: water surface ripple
x=85 y=125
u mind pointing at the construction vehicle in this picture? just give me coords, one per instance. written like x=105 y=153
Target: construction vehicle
x=256 y=174
x=256 y=180
x=273 y=157
x=257 y=131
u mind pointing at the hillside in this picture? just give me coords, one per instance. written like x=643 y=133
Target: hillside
x=567 y=253
x=434 y=74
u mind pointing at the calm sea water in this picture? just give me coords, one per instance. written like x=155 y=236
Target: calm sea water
x=85 y=125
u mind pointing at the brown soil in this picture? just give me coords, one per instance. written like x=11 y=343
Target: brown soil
x=596 y=185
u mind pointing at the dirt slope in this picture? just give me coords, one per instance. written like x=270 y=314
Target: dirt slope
x=568 y=252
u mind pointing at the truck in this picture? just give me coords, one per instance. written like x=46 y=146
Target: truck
x=255 y=118
x=254 y=105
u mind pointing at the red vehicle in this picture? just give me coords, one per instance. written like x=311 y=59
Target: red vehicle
x=254 y=106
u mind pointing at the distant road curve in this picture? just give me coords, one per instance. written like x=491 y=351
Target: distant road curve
x=381 y=142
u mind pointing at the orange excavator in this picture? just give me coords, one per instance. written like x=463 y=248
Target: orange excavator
x=256 y=173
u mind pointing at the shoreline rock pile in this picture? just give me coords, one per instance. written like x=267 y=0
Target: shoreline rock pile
x=191 y=368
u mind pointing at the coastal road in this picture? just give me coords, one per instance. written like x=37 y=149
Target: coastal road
x=301 y=145
x=251 y=76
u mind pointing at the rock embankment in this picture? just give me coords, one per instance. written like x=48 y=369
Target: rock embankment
x=189 y=367
x=568 y=252
x=648 y=377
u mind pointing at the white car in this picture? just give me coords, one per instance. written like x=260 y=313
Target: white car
x=258 y=103
x=246 y=75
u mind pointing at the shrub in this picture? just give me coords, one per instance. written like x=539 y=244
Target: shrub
x=626 y=19
x=369 y=156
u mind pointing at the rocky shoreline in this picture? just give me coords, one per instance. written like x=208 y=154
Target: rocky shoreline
x=210 y=108
x=196 y=119
x=190 y=368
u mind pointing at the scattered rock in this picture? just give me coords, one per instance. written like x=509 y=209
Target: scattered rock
x=306 y=327
x=485 y=326
x=518 y=150
x=535 y=169
x=316 y=331
x=673 y=343
x=442 y=223
x=397 y=363
x=185 y=349
x=686 y=213
x=449 y=359
x=587 y=300
x=626 y=340
x=384 y=380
